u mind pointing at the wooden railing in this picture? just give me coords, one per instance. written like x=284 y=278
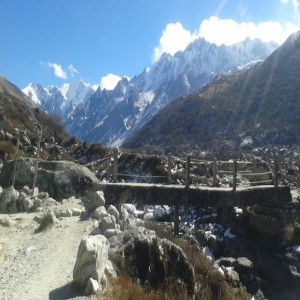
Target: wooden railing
x=216 y=170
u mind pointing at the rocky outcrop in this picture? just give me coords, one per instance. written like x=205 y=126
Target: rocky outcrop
x=61 y=179
x=24 y=200
x=139 y=253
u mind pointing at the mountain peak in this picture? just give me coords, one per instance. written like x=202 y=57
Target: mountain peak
x=59 y=100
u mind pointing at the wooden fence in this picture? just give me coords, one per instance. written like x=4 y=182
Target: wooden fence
x=216 y=170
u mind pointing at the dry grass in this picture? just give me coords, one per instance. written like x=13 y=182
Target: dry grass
x=122 y=288
x=211 y=285
x=7 y=147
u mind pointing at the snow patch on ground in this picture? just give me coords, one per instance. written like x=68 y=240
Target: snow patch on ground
x=206 y=251
x=228 y=234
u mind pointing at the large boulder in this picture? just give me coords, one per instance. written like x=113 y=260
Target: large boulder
x=60 y=179
x=92 y=260
x=8 y=200
x=145 y=258
x=96 y=199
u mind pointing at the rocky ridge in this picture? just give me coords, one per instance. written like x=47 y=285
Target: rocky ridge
x=238 y=109
x=110 y=117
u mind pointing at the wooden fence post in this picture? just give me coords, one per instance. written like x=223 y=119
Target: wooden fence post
x=115 y=165
x=214 y=173
x=15 y=162
x=176 y=219
x=187 y=172
x=169 y=168
x=36 y=162
x=234 y=176
x=276 y=173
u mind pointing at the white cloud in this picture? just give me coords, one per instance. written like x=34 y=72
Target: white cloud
x=72 y=70
x=221 y=31
x=295 y=5
x=228 y=32
x=58 y=70
x=109 y=81
x=173 y=39
x=284 y=1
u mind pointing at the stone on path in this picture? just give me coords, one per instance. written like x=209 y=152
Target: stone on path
x=92 y=259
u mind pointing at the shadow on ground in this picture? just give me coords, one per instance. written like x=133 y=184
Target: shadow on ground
x=67 y=291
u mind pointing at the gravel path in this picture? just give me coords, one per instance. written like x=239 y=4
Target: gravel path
x=39 y=265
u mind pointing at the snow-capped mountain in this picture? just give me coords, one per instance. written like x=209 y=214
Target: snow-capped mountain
x=59 y=101
x=110 y=117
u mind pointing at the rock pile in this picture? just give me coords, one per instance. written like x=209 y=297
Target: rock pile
x=24 y=200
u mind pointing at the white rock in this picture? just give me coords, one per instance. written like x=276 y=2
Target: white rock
x=148 y=216
x=107 y=222
x=92 y=287
x=25 y=189
x=99 y=212
x=92 y=258
x=96 y=199
x=124 y=214
x=111 y=232
x=228 y=234
x=206 y=251
x=160 y=212
x=76 y=212
x=130 y=208
x=36 y=203
x=27 y=203
x=43 y=195
x=112 y=210
x=64 y=213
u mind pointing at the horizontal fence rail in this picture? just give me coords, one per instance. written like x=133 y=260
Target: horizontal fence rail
x=213 y=166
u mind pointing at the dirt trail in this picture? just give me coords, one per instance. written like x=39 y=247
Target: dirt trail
x=39 y=265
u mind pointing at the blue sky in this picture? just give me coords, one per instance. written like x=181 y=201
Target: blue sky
x=56 y=41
